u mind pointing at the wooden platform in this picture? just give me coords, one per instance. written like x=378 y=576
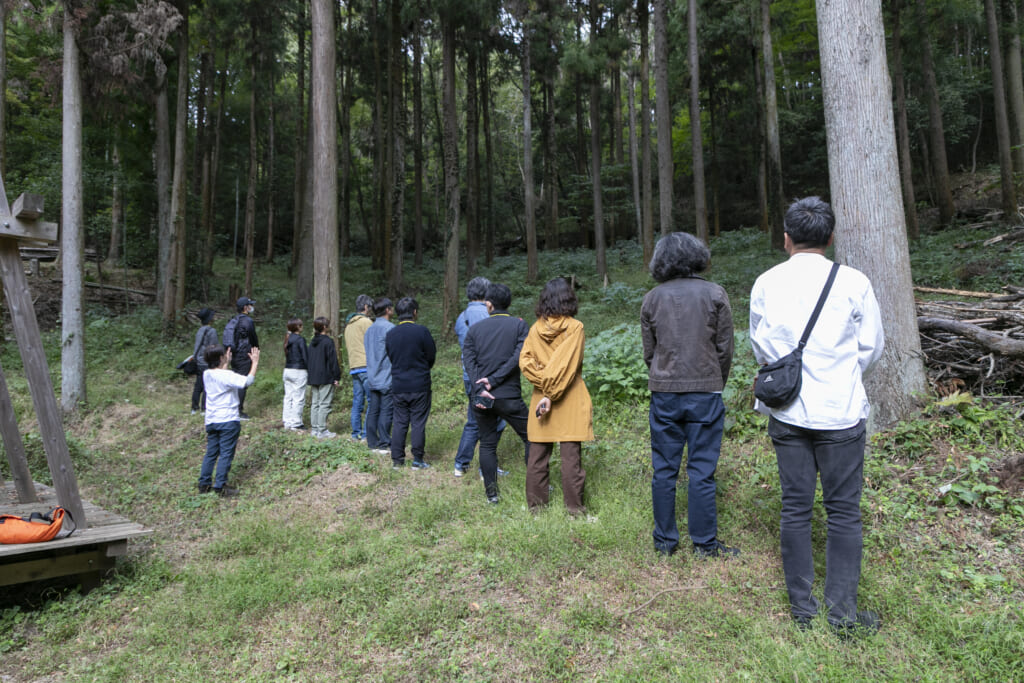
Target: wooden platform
x=89 y=552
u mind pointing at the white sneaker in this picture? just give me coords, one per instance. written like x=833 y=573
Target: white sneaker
x=381 y=451
x=458 y=471
x=327 y=434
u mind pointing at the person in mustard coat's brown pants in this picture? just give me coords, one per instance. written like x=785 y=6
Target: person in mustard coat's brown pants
x=560 y=408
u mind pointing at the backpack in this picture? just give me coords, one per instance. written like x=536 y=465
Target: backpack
x=229 y=333
x=36 y=527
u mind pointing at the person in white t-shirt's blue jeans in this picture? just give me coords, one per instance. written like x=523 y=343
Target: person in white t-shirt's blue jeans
x=223 y=423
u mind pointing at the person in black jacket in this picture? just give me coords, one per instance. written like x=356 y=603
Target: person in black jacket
x=245 y=340
x=295 y=375
x=324 y=374
x=412 y=352
x=490 y=356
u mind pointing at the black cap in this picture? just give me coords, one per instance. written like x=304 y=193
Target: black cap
x=206 y=315
x=245 y=301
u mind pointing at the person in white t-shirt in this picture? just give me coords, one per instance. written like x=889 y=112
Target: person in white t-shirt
x=223 y=422
x=822 y=432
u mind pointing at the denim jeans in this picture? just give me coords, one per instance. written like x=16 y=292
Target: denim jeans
x=837 y=455
x=694 y=420
x=358 y=404
x=378 y=419
x=470 y=432
x=221 y=439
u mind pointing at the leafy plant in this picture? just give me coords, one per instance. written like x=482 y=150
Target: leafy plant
x=614 y=367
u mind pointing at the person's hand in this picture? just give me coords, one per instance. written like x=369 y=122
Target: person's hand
x=544 y=406
x=486 y=382
x=254 y=355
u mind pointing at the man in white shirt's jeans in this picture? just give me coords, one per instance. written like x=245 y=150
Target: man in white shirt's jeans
x=823 y=430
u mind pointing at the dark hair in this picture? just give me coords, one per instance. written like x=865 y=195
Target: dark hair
x=499 y=295
x=205 y=315
x=214 y=354
x=809 y=222
x=406 y=308
x=557 y=298
x=476 y=289
x=381 y=306
x=293 y=327
x=320 y=324
x=678 y=254
x=362 y=301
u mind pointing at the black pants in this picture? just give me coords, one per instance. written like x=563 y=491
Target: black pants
x=199 y=393
x=516 y=414
x=242 y=367
x=410 y=416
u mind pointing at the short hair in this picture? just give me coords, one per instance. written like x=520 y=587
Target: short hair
x=476 y=289
x=320 y=324
x=294 y=324
x=206 y=315
x=557 y=298
x=214 y=355
x=679 y=254
x=362 y=301
x=381 y=306
x=406 y=308
x=809 y=222
x=499 y=295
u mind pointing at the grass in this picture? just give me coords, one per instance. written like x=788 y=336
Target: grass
x=331 y=566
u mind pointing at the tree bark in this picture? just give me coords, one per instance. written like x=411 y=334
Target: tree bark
x=485 y=90
x=250 y=191
x=1008 y=191
x=270 y=173
x=72 y=347
x=595 y=173
x=663 y=114
x=902 y=128
x=1015 y=84
x=179 y=187
x=936 y=133
x=162 y=161
x=472 y=162
x=116 y=206
x=776 y=198
x=417 y=147
x=3 y=89
x=634 y=154
x=700 y=200
x=396 y=151
x=646 y=184
x=532 y=267
x=326 y=276
x=863 y=171
x=450 y=298
x=298 y=187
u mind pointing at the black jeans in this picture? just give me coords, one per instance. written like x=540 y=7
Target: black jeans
x=199 y=393
x=838 y=456
x=410 y=415
x=516 y=414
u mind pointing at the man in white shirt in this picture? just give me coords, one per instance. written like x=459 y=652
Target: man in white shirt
x=823 y=430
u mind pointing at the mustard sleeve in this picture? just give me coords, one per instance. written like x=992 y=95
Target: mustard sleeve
x=561 y=370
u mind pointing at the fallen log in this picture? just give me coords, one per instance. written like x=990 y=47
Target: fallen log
x=1013 y=348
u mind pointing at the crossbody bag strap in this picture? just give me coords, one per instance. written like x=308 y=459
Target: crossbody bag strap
x=817 y=308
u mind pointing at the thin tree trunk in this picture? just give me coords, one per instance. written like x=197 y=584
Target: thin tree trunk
x=634 y=150
x=450 y=299
x=116 y=206
x=179 y=183
x=646 y=184
x=595 y=179
x=214 y=168
x=396 y=150
x=762 y=147
x=485 y=91
x=417 y=147
x=298 y=188
x=72 y=336
x=326 y=276
x=863 y=172
x=550 y=162
x=345 y=122
x=700 y=200
x=1008 y=191
x=162 y=156
x=472 y=163
x=1015 y=83
x=776 y=198
x=532 y=266
x=270 y=173
x=250 y=192
x=902 y=128
x=937 y=136
x=3 y=89
x=663 y=113
x=378 y=251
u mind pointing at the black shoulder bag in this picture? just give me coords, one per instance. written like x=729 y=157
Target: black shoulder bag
x=778 y=384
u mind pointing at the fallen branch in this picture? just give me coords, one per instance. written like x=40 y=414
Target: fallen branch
x=1006 y=346
x=955 y=292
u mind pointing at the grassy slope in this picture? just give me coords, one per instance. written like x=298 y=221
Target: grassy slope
x=331 y=566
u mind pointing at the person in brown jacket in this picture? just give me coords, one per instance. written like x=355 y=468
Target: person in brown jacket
x=560 y=408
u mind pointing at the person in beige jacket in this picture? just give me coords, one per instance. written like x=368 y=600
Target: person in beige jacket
x=355 y=329
x=560 y=408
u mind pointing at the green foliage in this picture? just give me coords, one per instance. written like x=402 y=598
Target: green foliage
x=614 y=367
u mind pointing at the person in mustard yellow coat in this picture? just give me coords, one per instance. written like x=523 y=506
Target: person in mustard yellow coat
x=560 y=408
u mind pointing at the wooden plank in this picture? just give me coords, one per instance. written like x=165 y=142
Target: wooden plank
x=28 y=206
x=107 y=534
x=37 y=231
x=51 y=427
x=14 y=447
x=91 y=560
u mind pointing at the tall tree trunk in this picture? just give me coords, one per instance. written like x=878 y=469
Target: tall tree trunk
x=936 y=133
x=1015 y=85
x=377 y=244
x=532 y=267
x=595 y=172
x=646 y=184
x=116 y=207
x=776 y=198
x=700 y=200
x=307 y=232
x=550 y=162
x=3 y=89
x=250 y=192
x=619 y=224
x=204 y=144
x=485 y=90
x=72 y=336
x=298 y=188
x=179 y=184
x=214 y=168
x=417 y=146
x=1008 y=191
x=270 y=173
x=663 y=113
x=450 y=298
x=323 y=112
x=162 y=157
x=902 y=128
x=634 y=149
x=863 y=173
x=396 y=151
x=472 y=162
x=762 y=145
x=345 y=123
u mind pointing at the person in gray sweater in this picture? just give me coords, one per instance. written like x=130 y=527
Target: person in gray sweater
x=205 y=336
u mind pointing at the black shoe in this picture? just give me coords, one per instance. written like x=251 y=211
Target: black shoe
x=866 y=624
x=226 y=492
x=243 y=417
x=493 y=500
x=667 y=552
x=714 y=549
x=397 y=464
x=205 y=488
x=420 y=465
x=804 y=623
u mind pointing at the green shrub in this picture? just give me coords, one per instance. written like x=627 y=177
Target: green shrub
x=614 y=367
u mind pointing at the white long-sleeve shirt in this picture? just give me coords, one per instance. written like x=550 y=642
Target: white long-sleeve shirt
x=222 y=387
x=845 y=343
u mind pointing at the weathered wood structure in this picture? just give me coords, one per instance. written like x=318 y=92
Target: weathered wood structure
x=101 y=536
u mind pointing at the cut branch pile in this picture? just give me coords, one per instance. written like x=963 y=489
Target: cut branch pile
x=976 y=346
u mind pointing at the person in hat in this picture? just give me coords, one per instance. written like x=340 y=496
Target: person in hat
x=244 y=341
x=205 y=336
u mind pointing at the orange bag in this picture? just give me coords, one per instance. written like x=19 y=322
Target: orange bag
x=36 y=527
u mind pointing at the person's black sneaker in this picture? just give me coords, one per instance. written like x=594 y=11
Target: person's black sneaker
x=865 y=624
x=204 y=488
x=226 y=492
x=804 y=623
x=397 y=464
x=714 y=549
x=420 y=465
x=243 y=417
x=493 y=500
x=666 y=552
